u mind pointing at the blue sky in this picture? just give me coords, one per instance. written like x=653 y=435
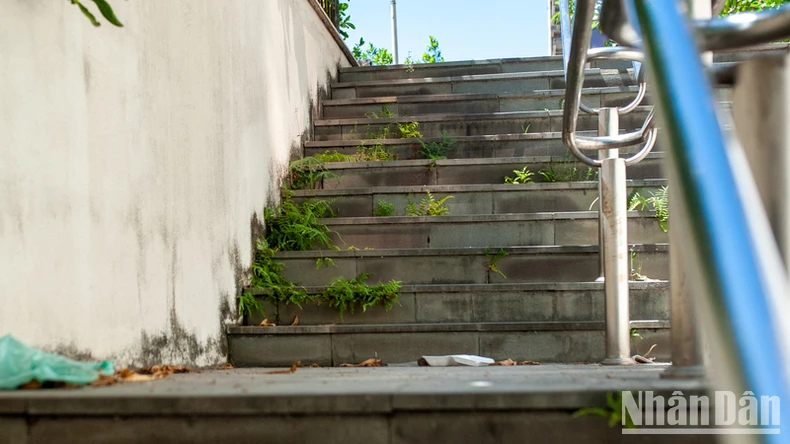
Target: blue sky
x=466 y=30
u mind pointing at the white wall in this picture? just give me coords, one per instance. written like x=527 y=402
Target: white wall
x=132 y=161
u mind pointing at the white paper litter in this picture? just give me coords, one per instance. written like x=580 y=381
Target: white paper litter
x=455 y=360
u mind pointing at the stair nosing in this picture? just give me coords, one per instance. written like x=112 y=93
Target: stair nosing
x=466 y=78
x=461 y=251
x=475 y=218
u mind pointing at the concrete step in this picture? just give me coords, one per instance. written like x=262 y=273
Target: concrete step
x=531 y=302
x=549 y=342
x=401 y=106
x=386 y=405
x=470 y=171
x=508 y=83
x=463 y=147
x=480 y=231
x=461 y=68
x=474 y=199
x=456 y=125
x=510 y=65
x=416 y=266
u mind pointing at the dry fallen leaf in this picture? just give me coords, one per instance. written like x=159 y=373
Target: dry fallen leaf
x=32 y=385
x=286 y=372
x=295 y=322
x=127 y=375
x=366 y=363
x=225 y=366
x=315 y=365
x=267 y=323
x=507 y=361
x=105 y=380
x=529 y=363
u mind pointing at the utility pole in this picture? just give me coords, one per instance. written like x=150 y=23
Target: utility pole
x=394 y=17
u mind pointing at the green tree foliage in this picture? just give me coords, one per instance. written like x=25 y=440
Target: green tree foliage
x=376 y=56
x=734 y=6
x=344 y=21
x=104 y=8
x=432 y=53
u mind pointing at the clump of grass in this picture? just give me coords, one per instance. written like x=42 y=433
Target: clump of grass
x=296 y=227
x=383 y=209
x=409 y=130
x=308 y=173
x=658 y=203
x=334 y=156
x=266 y=274
x=436 y=150
x=345 y=294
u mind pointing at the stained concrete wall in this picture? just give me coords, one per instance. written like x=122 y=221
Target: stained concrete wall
x=135 y=164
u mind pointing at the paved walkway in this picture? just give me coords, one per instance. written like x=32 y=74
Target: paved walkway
x=312 y=390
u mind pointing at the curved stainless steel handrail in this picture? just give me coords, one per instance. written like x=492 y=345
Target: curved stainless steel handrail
x=744 y=29
x=576 y=59
x=743 y=296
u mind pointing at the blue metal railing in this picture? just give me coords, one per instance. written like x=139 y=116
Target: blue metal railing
x=746 y=292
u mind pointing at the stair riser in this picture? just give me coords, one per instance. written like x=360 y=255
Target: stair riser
x=641 y=230
x=467 y=268
x=282 y=350
x=454 y=307
x=472 y=174
x=515 y=199
x=465 y=69
x=491 y=105
x=462 y=149
x=470 y=127
x=474 y=86
x=419 y=426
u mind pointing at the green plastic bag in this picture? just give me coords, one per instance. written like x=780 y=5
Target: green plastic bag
x=20 y=364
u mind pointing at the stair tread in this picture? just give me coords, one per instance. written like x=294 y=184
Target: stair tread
x=439 y=327
x=456 y=188
x=656 y=284
x=460 y=251
x=411 y=98
x=487 y=218
x=472 y=77
x=452 y=117
x=475 y=138
x=461 y=162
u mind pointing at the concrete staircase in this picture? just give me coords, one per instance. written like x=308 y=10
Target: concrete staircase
x=545 y=305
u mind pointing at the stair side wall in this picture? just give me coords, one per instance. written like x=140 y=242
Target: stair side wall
x=135 y=163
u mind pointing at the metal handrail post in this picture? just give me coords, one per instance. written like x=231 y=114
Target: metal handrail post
x=614 y=220
x=761 y=107
x=686 y=344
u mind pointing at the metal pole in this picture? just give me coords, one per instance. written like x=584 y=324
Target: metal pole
x=606 y=127
x=394 y=18
x=615 y=246
x=761 y=106
x=687 y=351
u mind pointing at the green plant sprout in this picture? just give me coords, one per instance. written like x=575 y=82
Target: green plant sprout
x=428 y=206
x=522 y=176
x=436 y=150
x=613 y=411
x=383 y=209
x=493 y=260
